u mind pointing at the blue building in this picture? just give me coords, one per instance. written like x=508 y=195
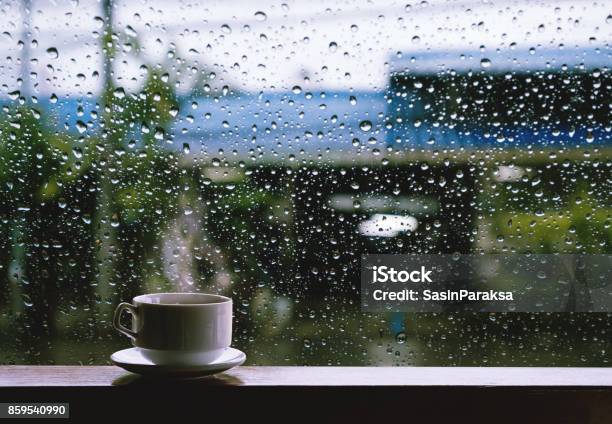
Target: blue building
x=515 y=98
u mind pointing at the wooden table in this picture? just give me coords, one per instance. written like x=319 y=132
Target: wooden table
x=356 y=394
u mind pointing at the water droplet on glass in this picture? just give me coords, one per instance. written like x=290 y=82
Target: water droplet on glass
x=99 y=21
x=159 y=133
x=81 y=127
x=27 y=301
x=130 y=31
x=365 y=126
x=260 y=16
x=119 y=93
x=52 y=53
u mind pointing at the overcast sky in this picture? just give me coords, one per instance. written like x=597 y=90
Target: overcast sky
x=256 y=45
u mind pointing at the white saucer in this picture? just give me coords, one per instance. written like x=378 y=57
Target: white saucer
x=133 y=361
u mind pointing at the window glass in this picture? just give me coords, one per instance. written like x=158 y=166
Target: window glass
x=258 y=150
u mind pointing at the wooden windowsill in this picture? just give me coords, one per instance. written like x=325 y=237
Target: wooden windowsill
x=82 y=376
x=322 y=394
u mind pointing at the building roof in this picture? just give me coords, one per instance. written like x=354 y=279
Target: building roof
x=510 y=59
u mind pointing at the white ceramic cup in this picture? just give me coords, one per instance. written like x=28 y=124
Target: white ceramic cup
x=178 y=328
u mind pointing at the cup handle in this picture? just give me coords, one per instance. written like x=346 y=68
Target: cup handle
x=117 y=319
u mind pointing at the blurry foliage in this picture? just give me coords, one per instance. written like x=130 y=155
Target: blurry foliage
x=50 y=179
x=147 y=175
x=579 y=231
x=36 y=162
x=252 y=224
x=578 y=221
